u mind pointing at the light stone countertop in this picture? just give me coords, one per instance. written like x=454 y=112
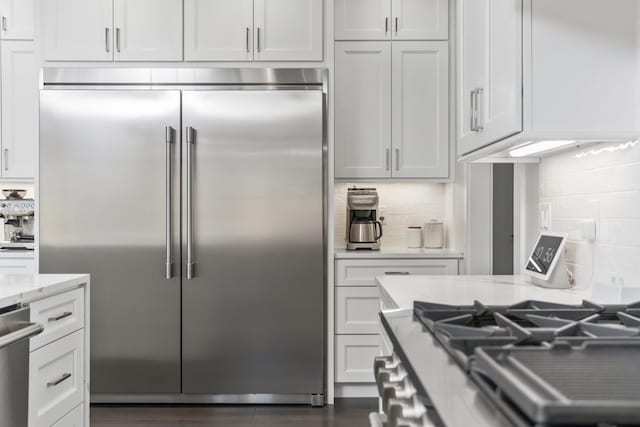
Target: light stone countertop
x=22 y=288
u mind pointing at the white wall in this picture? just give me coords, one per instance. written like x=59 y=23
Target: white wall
x=603 y=182
x=402 y=204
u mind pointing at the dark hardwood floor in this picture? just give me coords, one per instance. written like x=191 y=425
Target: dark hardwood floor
x=345 y=413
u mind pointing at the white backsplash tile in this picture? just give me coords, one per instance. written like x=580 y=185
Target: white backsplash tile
x=401 y=204
x=601 y=182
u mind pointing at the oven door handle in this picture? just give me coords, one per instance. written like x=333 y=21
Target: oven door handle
x=22 y=334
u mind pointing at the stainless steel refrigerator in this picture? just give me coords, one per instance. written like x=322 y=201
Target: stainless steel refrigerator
x=195 y=199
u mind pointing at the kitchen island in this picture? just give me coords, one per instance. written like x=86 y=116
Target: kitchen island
x=448 y=391
x=58 y=377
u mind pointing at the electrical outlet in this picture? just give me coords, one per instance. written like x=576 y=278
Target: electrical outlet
x=594 y=213
x=545 y=216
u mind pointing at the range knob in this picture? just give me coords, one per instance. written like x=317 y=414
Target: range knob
x=384 y=362
x=403 y=389
x=389 y=375
x=423 y=421
x=410 y=408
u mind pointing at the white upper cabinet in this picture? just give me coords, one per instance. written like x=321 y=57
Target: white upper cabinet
x=420 y=109
x=362 y=19
x=20 y=99
x=77 y=30
x=218 y=30
x=363 y=110
x=392 y=19
x=288 y=30
x=420 y=19
x=489 y=72
x=528 y=72
x=16 y=19
x=147 y=30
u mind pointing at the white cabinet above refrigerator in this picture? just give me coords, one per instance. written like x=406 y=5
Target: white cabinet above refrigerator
x=572 y=77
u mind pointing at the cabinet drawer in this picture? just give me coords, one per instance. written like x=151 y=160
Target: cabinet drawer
x=362 y=272
x=357 y=310
x=74 y=418
x=17 y=266
x=56 y=380
x=60 y=315
x=354 y=358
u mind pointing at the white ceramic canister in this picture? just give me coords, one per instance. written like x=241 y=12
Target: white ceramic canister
x=434 y=235
x=414 y=237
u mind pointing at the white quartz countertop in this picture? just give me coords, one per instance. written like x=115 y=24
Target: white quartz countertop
x=399 y=292
x=20 y=288
x=399 y=253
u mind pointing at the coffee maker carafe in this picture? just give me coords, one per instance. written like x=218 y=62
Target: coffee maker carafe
x=363 y=229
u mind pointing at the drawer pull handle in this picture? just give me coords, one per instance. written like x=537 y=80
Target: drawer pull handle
x=59 y=381
x=60 y=317
x=397 y=273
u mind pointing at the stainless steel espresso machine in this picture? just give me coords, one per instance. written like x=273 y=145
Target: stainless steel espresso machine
x=19 y=219
x=363 y=228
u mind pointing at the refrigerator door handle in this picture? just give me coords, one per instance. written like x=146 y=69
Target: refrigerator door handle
x=169 y=132
x=190 y=141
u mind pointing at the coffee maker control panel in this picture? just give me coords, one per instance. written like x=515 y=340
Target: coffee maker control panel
x=15 y=208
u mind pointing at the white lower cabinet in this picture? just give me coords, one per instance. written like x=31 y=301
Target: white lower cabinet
x=357 y=310
x=58 y=387
x=18 y=265
x=56 y=381
x=74 y=418
x=354 y=358
x=359 y=338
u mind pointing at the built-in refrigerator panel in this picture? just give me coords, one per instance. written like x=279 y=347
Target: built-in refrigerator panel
x=104 y=163
x=253 y=310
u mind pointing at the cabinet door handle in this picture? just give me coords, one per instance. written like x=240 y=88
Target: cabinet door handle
x=397 y=159
x=106 y=39
x=258 y=40
x=397 y=273
x=61 y=316
x=4 y=23
x=168 y=131
x=248 y=31
x=386 y=24
x=472 y=112
x=396 y=24
x=480 y=110
x=6 y=159
x=118 y=39
x=59 y=381
x=388 y=159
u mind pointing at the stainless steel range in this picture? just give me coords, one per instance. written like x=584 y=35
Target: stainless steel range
x=536 y=363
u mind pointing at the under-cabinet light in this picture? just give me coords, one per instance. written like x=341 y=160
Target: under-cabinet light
x=531 y=148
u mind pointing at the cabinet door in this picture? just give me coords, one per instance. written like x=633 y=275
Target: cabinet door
x=20 y=98
x=17 y=19
x=288 y=30
x=77 y=30
x=363 y=109
x=420 y=19
x=420 y=118
x=218 y=30
x=362 y=19
x=148 y=30
x=489 y=72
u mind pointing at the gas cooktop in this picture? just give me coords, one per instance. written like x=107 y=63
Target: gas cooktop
x=547 y=364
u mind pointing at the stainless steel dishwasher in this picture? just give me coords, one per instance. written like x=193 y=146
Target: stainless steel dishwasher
x=15 y=331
